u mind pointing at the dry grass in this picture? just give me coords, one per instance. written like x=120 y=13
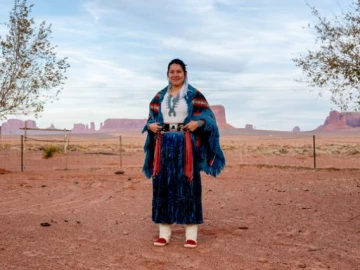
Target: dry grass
x=331 y=152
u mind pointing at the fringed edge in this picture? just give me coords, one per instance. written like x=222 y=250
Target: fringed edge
x=157 y=156
x=147 y=167
x=214 y=169
x=147 y=172
x=188 y=154
x=214 y=160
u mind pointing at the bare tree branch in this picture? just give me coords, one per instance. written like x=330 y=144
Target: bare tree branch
x=30 y=73
x=335 y=65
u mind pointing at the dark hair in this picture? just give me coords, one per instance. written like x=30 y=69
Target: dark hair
x=179 y=62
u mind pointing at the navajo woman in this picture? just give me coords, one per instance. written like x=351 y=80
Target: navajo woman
x=182 y=140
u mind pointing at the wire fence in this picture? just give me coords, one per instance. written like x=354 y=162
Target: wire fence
x=99 y=151
x=306 y=151
x=51 y=152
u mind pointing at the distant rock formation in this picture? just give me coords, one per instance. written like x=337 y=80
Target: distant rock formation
x=118 y=125
x=249 y=127
x=82 y=128
x=296 y=129
x=12 y=126
x=109 y=125
x=219 y=112
x=338 y=121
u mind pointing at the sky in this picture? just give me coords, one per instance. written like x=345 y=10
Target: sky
x=238 y=54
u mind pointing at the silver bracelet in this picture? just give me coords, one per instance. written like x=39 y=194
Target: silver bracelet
x=199 y=123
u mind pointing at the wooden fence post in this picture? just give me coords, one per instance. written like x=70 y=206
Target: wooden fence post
x=22 y=153
x=66 y=140
x=120 y=152
x=314 y=152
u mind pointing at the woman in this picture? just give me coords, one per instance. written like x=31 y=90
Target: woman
x=182 y=140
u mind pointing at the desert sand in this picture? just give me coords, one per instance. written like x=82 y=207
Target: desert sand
x=269 y=209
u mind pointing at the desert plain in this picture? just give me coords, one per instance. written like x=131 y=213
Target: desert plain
x=273 y=207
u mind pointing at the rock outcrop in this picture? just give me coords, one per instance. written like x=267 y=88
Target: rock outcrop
x=219 y=112
x=296 y=129
x=12 y=126
x=119 y=125
x=52 y=126
x=339 y=121
x=109 y=125
x=82 y=128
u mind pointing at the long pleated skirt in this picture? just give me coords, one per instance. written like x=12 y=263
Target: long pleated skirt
x=175 y=199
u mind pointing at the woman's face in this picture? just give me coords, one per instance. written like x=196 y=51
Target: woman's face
x=176 y=75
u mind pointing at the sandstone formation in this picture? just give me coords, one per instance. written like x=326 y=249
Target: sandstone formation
x=249 y=127
x=219 y=112
x=119 y=125
x=109 y=125
x=12 y=126
x=296 y=129
x=337 y=121
x=82 y=128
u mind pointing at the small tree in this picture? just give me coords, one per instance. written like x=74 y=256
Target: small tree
x=30 y=73
x=335 y=65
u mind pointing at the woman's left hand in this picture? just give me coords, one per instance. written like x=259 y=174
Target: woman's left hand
x=191 y=126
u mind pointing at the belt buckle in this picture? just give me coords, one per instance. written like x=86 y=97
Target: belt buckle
x=173 y=127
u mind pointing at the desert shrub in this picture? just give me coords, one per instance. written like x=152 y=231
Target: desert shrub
x=283 y=150
x=228 y=147
x=6 y=146
x=260 y=148
x=50 y=150
x=353 y=152
x=76 y=148
x=72 y=148
x=268 y=152
x=298 y=151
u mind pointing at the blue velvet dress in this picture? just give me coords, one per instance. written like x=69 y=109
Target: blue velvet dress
x=175 y=198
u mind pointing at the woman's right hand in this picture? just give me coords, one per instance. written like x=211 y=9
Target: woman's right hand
x=154 y=127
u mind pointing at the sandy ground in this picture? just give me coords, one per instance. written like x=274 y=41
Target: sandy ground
x=255 y=218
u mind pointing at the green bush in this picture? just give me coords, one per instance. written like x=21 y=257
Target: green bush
x=50 y=150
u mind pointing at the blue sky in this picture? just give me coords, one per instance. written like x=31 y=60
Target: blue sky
x=238 y=53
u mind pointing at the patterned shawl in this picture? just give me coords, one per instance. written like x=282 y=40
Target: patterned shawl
x=207 y=137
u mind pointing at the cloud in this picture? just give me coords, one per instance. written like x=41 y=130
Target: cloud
x=93 y=12
x=239 y=54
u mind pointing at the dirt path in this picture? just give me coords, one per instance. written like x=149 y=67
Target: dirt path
x=254 y=219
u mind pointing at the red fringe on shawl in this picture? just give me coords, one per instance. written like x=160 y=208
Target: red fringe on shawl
x=188 y=167
x=157 y=156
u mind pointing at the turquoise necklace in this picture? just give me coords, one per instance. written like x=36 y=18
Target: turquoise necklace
x=175 y=102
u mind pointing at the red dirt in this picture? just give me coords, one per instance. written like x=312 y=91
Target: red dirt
x=255 y=218
x=2 y=171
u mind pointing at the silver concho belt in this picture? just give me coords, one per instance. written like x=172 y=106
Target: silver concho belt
x=172 y=127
